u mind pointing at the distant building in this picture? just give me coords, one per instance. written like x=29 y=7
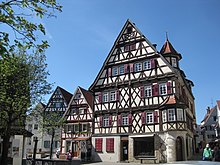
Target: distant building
x=144 y=105
x=208 y=125
x=58 y=104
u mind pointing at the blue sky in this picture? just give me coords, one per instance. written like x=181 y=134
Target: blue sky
x=82 y=35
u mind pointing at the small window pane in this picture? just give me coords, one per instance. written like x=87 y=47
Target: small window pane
x=147 y=91
x=124 y=120
x=137 y=67
x=106 y=121
x=171 y=114
x=112 y=95
x=146 y=65
x=149 y=117
x=163 y=89
x=105 y=97
x=121 y=70
x=114 y=71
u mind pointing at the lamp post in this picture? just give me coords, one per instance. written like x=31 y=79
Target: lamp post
x=35 y=150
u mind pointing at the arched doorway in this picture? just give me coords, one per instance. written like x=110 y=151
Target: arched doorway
x=179 y=149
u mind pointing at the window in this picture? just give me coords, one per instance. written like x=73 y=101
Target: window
x=163 y=89
x=28 y=141
x=137 y=67
x=121 y=69
x=36 y=126
x=76 y=127
x=140 y=150
x=146 y=65
x=105 y=121
x=112 y=95
x=109 y=144
x=171 y=114
x=149 y=117
x=30 y=127
x=114 y=71
x=147 y=91
x=105 y=97
x=129 y=29
x=164 y=113
x=130 y=47
x=174 y=63
x=81 y=111
x=180 y=115
x=47 y=144
x=98 y=144
x=84 y=127
x=125 y=120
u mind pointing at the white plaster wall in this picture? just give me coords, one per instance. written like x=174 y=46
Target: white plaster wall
x=106 y=156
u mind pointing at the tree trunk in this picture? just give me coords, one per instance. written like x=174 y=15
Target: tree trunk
x=4 y=158
x=51 y=144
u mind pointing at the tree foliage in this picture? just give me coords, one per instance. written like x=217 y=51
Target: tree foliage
x=18 y=16
x=23 y=73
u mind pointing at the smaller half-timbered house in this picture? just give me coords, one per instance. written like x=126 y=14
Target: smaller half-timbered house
x=56 y=106
x=76 y=135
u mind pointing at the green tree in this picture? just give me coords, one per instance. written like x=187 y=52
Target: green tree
x=52 y=123
x=23 y=83
x=17 y=15
x=23 y=74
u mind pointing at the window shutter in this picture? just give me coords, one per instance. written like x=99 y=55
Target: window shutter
x=119 y=120
x=129 y=119
x=152 y=62
x=126 y=68
x=155 y=116
x=109 y=144
x=117 y=95
x=143 y=117
x=109 y=72
x=110 y=120
x=168 y=88
x=142 y=91
x=98 y=144
x=155 y=90
x=131 y=67
x=100 y=97
x=100 y=121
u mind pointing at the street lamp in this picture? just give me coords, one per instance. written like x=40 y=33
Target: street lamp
x=35 y=150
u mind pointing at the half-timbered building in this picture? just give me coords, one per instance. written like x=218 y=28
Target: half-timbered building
x=143 y=103
x=55 y=109
x=76 y=135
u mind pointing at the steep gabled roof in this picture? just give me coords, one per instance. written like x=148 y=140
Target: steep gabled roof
x=208 y=115
x=88 y=96
x=66 y=95
x=120 y=41
x=169 y=49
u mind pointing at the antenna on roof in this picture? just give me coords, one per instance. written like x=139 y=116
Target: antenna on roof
x=166 y=35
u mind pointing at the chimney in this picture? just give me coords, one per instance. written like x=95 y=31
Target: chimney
x=208 y=110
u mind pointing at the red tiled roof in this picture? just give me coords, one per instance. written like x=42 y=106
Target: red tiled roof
x=218 y=104
x=67 y=96
x=168 y=49
x=88 y=96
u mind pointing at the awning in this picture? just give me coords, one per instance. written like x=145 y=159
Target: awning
x=137 y=136
x=81 y=138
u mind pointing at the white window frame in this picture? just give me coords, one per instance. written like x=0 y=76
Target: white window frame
x=164 y=114
x=35 y=126
x=112 y=95
x=163 y=89
x=125 y=120
x=171 y=115
x=138 y=67
x=114 y=71
x=149 y=117
x=105 y=97
x=174 y=62
x=148 y=91
x=105 y=121
x=121 y=70
x=180 y=116
x=146 y=65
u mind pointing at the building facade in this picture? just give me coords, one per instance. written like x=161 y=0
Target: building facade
x=143 y=103
x=77 y=131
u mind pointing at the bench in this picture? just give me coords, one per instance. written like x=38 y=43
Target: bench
x=141 y=158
